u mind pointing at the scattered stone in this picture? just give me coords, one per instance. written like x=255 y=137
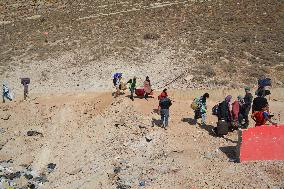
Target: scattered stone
x=148 y=139
x=6 y=117
x=29 y=176
x=117 y=170
x=31 y=186
x=2 y=131
x=151 y=36
x=34 y=133
x=13 y=175
x=74 y=172
x=142 y=183
x=51 y=167
x=142 y=127
x=122 y=186
x=41 y=179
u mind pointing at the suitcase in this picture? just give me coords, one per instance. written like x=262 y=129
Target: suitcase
x=222 y=127
x=139 y=92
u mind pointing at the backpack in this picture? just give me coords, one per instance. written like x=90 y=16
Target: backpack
x=195 y=103
x=215 y=110
x=263 y=82
x=223 y=111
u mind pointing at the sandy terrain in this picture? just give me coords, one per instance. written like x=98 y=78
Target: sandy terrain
x=71 y=133
x=97 y=141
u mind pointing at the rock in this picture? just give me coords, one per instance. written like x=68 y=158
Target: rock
x=75 y=171
x=2 y=131
x=142 y=127
x=14 y=175
x=148 y=139
x=142 y=183
x=122 y=186
x=34 y=133
x=117 y=170
x=51 y=167
x=29 y=176
x=6 y=117
x=41 y=179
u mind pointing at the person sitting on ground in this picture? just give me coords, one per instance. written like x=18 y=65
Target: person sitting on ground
x=245 y=108
x=132 y=87
x=147 y=87
x=6 y=92
x=261 y=117
x=236 y=106
x=200 y=112
x=165 y=104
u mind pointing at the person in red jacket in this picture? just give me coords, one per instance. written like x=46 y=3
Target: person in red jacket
x=164 y=94
x=261 y=117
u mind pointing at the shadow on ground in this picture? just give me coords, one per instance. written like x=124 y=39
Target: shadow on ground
x=230 y=151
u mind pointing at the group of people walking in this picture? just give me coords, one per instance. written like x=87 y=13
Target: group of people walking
x=120 y=85
x=233 y=115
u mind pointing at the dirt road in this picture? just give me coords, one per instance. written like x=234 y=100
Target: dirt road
x=97 y=141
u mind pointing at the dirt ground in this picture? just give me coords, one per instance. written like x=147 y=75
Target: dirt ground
x=71 y=133
x=97 y=141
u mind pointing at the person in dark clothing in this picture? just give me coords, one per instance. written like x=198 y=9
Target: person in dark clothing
x=260 y=101
x=132 y=87
x=224 y=113
x=245 y=109
x=165 y=104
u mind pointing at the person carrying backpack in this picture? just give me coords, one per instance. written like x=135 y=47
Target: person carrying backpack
x=165 y=104
x=201 y=109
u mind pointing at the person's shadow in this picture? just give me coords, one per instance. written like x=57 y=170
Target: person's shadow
x=231 y=153
x=156 y=122
x=190 y=121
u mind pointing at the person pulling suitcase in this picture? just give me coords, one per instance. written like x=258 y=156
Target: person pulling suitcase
x=224 y=117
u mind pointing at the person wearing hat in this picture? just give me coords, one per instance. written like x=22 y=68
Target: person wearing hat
x=245 y=109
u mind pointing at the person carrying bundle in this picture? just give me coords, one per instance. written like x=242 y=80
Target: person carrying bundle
x=200 y=108
x=132 y=87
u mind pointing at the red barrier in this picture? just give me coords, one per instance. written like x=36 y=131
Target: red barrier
x=262 y=143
